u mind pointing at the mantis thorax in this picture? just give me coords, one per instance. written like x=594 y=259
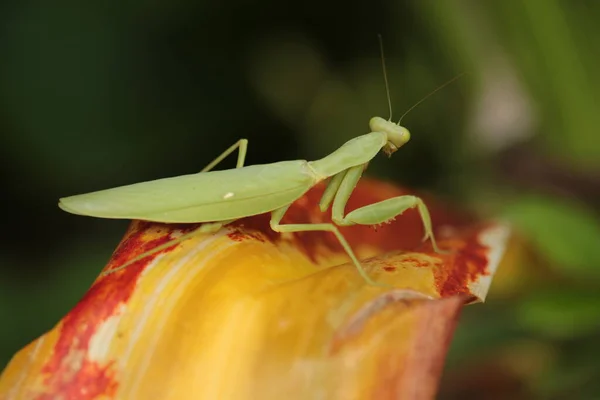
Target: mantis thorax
x=396 y=134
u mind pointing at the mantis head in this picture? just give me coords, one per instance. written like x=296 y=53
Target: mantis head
x=397 y=135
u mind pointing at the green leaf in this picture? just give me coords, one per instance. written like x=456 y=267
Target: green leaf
x=566 y=233
x=560 y=312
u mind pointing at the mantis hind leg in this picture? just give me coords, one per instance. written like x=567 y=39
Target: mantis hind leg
x=379 y=212
x=204 y=228
x=278 y=214
x=242 y=144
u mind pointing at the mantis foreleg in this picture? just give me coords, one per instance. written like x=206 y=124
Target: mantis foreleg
x=341 y=185
x=278 y=214
x=242 y=144
x=379 y=212
x=330 y=191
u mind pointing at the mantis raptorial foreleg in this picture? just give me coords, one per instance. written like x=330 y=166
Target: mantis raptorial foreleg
x=386 y=210
x=278 y=214
x=242 y=144
x=379 y=212
x=330 y=191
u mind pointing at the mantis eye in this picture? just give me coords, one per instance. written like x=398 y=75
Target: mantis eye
x=397 y=135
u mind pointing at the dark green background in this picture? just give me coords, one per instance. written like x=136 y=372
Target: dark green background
x=101 y=94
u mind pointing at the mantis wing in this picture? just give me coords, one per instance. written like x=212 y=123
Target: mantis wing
x=202 y=197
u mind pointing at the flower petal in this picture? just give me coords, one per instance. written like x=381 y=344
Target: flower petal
x=249 y=313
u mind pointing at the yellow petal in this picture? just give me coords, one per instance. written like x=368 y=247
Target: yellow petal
x=246 y=313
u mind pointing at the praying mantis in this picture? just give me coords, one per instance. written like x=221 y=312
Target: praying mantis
x=217 y=198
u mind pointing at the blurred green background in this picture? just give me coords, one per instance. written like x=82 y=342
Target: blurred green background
x=100 y=94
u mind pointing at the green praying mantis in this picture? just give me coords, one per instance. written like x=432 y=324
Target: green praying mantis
x=217 y=198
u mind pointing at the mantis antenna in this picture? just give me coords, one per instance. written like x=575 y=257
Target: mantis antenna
x=385 y=78
x=430 y=94
x=387 y=86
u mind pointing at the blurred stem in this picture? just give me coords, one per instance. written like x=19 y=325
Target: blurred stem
x=573 y=95
x=538 y=36
x=541 y=43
